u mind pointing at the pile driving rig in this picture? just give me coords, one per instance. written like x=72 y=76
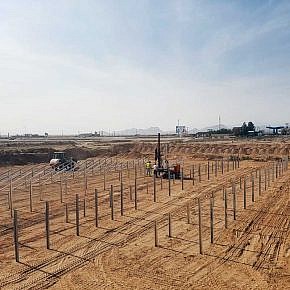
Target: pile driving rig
x=163 y=169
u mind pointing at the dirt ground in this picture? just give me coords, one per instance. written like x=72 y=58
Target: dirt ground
x=247 y=245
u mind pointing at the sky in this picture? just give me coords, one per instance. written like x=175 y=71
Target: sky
x=82 y=66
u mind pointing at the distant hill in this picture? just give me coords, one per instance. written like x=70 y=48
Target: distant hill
x=156 y=130
x=150 y=131
x=214 y=128
x=134 y=131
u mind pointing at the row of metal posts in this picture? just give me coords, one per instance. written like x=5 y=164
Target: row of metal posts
x=86 y=185
x=279 y=168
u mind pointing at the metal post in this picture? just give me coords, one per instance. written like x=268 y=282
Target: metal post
x=10 y=198
x=226 y=209
x=61 y=200
x=96 y=208
x=253 y=188
x=156 y=234
x=77 y=215
x=86 y=184
x=104 y=179
x=130 y=192
x=245 y=192
x=39 y=186
x=207 y=170
x=112 y=202
x=169 y=226
x=122 y=199
x=154 y=188
x=169 y=187
x=135 y=199
x=66 y=213
x=282 y=166
x=47 y=224
x=260 y=179
x=188 y=213
x=211 y=220
x=66 y=189
x=265 y=179
x=30 y=196
x=199 y=227
x=40 y=190
x=199 y=173
x=15 y=234
x=234 y=199
x=193 y=175
x=182 y=183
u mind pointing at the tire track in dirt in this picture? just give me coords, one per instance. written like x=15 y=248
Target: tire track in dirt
x=236 y=251
x=84 y=250
x=90 y=250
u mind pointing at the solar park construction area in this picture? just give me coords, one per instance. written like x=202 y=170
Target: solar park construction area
x=223 y=225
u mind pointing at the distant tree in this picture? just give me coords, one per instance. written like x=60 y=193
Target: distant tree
x=244 y=129
x=237 y=131
x=250 y=127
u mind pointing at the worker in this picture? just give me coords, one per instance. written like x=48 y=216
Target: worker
x=166 y=165
x=148 y=168
x=155 y=169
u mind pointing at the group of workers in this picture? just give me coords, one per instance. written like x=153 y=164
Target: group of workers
x=149 y=167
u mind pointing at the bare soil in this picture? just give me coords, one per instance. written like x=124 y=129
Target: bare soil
x=252 y=252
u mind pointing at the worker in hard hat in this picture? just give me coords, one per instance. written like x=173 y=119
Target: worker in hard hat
x=148 y=168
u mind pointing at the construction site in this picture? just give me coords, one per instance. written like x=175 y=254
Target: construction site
x=215 y=217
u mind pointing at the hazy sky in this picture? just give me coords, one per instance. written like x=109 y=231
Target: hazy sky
x=90 y=65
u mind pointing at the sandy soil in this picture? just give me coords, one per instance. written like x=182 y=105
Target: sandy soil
x=251 y=253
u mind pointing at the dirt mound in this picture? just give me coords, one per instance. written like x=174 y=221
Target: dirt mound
x=209 y=150
x=34 y=154
x=19 y=158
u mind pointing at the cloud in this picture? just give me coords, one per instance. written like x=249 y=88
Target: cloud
x=96 y=67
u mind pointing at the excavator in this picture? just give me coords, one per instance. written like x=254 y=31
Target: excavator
x=60 y=162
x=164 y=170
